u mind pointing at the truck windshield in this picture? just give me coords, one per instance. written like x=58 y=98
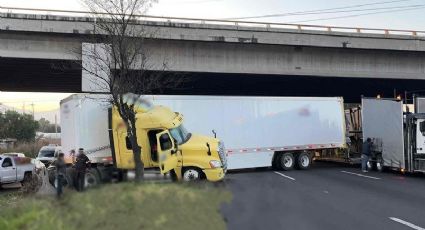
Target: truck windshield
x=46 y=153
x=180 y=134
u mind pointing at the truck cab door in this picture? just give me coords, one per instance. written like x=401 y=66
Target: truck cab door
x=167 y=155
x=8 y=171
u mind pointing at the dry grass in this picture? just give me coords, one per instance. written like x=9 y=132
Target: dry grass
x=30 y=149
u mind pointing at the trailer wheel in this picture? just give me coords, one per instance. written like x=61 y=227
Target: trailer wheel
x=303 y=161
x=92 y=179
x=286 y=161
x=275 y=161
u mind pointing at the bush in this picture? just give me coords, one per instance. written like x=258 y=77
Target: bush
x=122 y=206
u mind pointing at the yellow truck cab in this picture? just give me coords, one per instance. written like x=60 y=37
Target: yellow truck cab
x=168 y=145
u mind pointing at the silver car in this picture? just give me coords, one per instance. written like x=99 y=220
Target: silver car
x=47 y=154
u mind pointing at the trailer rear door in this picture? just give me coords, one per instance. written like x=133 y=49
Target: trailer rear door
x=383 y=121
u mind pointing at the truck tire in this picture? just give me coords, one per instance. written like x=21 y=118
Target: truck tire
x=192 y=174
x=286 y=161
x=27 y=179
x=92 y=178
x=275 y=162
x=303 y=161
x=380 y=164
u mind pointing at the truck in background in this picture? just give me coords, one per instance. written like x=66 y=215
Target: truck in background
x=398 y=136
x=283 y=132
x=15 y=169
x=88 y=122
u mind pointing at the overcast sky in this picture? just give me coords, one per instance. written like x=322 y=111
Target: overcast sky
x=409 y=19
x=413 y=19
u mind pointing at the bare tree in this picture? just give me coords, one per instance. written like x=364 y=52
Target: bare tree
x=119 y=63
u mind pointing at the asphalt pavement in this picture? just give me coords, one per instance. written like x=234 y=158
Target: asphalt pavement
x=327 y=196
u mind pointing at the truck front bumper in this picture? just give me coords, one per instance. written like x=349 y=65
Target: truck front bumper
x=214 y=174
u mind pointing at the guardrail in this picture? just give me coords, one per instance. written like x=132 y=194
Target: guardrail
x=235 y=23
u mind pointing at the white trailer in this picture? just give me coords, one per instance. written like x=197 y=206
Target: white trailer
x=84 y=124
x=265 y=131
x=398 y=136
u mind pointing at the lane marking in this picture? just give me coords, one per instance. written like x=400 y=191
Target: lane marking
x=361 y=175
x=281 y=174
x=408 y=224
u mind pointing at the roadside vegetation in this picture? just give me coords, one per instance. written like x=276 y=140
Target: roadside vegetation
x=119 y=206
x=30 y=149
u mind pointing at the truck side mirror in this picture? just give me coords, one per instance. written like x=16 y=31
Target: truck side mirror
x=214 y=132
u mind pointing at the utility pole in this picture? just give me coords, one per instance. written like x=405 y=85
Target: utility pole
x=56 y=123
x=32 y=105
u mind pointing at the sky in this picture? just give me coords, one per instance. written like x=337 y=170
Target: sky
x=413 y=19
x=220 y=9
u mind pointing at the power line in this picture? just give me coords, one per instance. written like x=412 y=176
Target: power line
x=350 y=11
x=355 y=15
x=316 y=11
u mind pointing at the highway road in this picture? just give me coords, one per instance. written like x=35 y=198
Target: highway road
x=327 y=196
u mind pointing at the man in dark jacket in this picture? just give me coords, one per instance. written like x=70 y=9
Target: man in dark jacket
x=60 y=165
x=366 y=153
x=81 y=164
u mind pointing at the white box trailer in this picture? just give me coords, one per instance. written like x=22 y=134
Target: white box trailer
x=398 y=136
x=264 y=131
x=84 y=124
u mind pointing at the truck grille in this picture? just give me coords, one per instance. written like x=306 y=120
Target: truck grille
x=222 y=154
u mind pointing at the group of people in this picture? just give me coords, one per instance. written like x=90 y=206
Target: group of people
x=81 y=163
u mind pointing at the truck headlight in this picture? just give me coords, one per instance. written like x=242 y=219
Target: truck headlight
x=215 y=164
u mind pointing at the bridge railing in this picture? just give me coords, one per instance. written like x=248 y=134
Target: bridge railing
x=237 y=24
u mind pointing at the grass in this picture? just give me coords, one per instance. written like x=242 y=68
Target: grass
x=121 y=206
x=30 y=149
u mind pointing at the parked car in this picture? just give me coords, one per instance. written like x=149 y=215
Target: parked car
x=47 y=154
x=15 y=169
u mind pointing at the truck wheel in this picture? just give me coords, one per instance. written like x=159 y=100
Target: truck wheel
x=192 y=174
x=287 y=161
x=379 y=164
x=303 y=161
x=92 y=179
x=275 y=162
x=27 y=179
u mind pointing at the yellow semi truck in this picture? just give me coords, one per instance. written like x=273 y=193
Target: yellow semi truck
x=166 y=144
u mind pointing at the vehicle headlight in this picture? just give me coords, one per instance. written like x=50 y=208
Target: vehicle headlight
x=215 y=164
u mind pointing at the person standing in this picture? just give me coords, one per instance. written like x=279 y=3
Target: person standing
x=366 y=153
x=60 y=165
x=81 y=164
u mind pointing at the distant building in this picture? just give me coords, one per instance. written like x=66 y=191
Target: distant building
x=49 y=136
x=7 y=143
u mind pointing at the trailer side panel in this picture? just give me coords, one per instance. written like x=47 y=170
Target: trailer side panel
x=253 y=128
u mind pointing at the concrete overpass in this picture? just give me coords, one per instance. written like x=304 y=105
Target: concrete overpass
x=223 y=57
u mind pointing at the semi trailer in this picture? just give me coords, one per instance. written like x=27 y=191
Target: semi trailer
x=88 y=122
x=282 y=132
